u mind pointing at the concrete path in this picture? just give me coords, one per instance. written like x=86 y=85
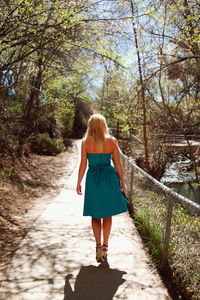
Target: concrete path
x=56 y=260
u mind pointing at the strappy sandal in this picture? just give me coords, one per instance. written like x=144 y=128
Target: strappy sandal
x=98 y=253
x=104 y=251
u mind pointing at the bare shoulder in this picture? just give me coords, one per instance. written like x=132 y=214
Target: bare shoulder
x=83 y=141
x=112 y=141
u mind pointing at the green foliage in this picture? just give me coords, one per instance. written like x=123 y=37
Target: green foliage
x=118 y=103
x=60 y=93
x=37 y=51
x=150 y=233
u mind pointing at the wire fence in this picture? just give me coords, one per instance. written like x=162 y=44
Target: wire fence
x=170 y=224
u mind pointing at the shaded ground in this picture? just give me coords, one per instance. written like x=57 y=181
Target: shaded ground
x=35 y=182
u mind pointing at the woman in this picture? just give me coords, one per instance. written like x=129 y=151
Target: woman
x=104 y=183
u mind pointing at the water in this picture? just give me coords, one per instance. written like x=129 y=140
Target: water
x=187 y=189
x=176 y=172
x=181 y=181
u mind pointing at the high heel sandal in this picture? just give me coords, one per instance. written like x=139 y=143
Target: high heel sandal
x=98 y=253
x=104 y=251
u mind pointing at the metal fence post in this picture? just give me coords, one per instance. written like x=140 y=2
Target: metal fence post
x=167 y=232
x=131 y=183
x=126 y=166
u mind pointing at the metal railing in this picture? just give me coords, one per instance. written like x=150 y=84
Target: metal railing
x=172 y=217
x=176 y=137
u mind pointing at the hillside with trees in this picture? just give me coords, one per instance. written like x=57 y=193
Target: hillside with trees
x=53 y=53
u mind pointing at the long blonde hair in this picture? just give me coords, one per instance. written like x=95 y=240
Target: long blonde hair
x=98 y=128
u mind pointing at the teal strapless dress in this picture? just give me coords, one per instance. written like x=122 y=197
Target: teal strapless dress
x=103 y=197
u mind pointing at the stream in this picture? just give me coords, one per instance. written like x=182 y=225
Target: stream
x=181 y=181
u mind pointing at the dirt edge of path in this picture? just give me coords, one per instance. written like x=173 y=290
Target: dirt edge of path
x=37 y=181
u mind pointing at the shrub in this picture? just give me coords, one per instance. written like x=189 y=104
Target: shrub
x=43 y=144
x=6 y=172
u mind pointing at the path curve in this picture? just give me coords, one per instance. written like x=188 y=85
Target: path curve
x=56 y=260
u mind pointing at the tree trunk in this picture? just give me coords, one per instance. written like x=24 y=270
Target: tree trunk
x=35 y=93
x=144 y=109
x=29 y=117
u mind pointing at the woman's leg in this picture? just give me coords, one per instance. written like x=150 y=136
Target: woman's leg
x=107 y=223
x=96 y=226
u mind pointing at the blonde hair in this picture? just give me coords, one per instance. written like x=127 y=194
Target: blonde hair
x=98 y=128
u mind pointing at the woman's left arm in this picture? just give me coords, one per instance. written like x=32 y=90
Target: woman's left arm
x=82 y=167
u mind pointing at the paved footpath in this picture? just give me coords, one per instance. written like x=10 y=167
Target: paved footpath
x=56 y=259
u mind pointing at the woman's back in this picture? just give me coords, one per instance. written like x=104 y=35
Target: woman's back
x=108 y=147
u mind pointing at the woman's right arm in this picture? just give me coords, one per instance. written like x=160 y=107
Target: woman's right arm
x=82 y=167
x=118 y=166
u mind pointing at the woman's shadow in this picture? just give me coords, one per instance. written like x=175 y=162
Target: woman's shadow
x=99 y=283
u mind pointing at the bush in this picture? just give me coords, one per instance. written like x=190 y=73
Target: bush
x=67 y=142
x=43 y=144
x=6 y=172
